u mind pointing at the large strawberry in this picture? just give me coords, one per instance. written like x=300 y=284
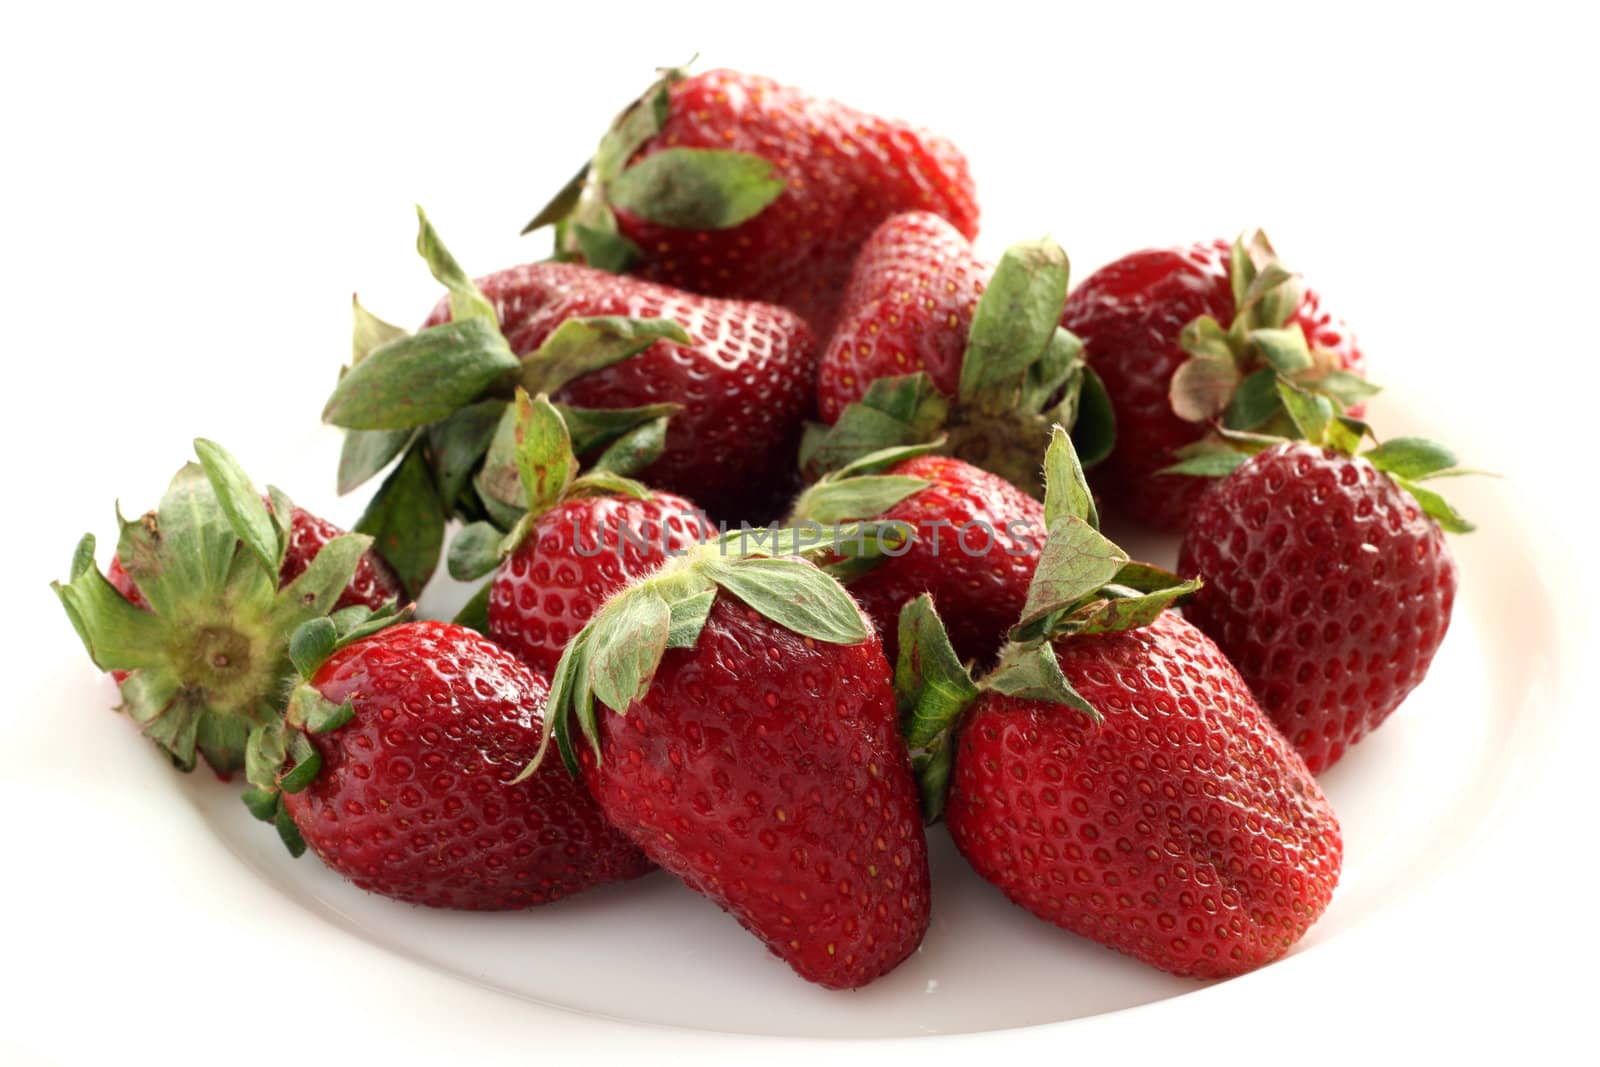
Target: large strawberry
x=738 y=723
x=1114 y=776
x=974 y=540
x=581 y=540
x=195 y=617
x=619 y=355
x=394 y=763
x=1328 y=581
x=930 y=341
x=733 y=185
x=1187 y=337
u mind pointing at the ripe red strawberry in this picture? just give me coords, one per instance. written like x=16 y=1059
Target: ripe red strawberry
x=782 y=189
x=744 y=385
x=402 y=747
x=930 y=340
x=582 y=540
x=194 y=617
x=1328 y=584
x=751 y=749
x=975 y=542
x=1113 y=774
x=1141 y=318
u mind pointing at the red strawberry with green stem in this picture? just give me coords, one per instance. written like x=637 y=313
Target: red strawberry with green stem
x=735 y=718
x=733 y=185
x=1113 y=775
x=581 y=540
x=1185 y=338
x=930 y=342
x=1328 y=580
x=975 y=541
x=203 y=595
x=619 y=356
x=394 y=764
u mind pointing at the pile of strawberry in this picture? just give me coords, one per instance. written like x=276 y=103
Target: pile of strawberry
x=776 y=492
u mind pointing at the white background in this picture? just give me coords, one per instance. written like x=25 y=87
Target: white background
x=192 y=194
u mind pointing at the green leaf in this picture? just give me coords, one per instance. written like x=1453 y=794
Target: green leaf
x=689 y=614
x=896 y=411
x=264 y=754
x=793 y=594
x=1410 y=457
x=545 y=463
x=639 y=122
x=117 y=635
x=366 y=452
x=932 y=685
x=932 y=772
x=697 y=188
x=627 y=646
x=1204 y=338
x=187 y=555
x=315 y=713
x=369 y=332
x=602 y=482
x=1144 y=578
x=422 y=378
x=1202 y=388
x=474 y=614
x=1346 y=388
x=1075 y=562
x=241 y=503
x=466 y=302
x=1254 y=402
x=605 y=249
x=560 y=205
x=592 y=428
x=458 y=443
x=406 y=521
x=288 y=832
x=1310 y=412
x=635 y=450
x=1015 y=319
x=1215 y=460
x=1436 y=507
x=1031 y=672
x=1094 y=426
x=311 y=644
x=474 y=551
x=262 y=803
x=321 y=584
x=582 y=346
x=860 y=497
x=1127 y=612
x=307 y=764
x=1066 y=491
x=1284 y=349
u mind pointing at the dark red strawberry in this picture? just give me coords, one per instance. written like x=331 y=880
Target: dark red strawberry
x=702 y=397
x=975 y=539
x=1328 y=584
x=751 y=748
x=1113 y=774
x=733 y=185
x=1151 y=313
x=930 y=341
x=401 y=747
x=194 y=617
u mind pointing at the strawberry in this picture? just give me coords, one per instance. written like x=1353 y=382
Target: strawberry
x=1185 y=336
x=618 y=354
x=975 y=540
x=1113 y=774
x=733 y=185
x=582 y=539
x=194 y=618
x=394 y=766
x=929 y=340
x=751 y=748
x=1328 y=581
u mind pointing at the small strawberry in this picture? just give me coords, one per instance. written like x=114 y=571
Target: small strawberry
x=751 y=749
x=1113 y=775
x=194 y=618
x=583 y=539
x=1328 y=580
x=733 y=185
x=618 y=354
x=975 y=539
x=929 y=340
x=400 y=745
x=1185 y=336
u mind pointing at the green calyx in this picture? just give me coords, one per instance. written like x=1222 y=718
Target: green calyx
x=206 y=664
x=279 y=756
x=1316 y=419
x=1083 y=585
x=613 y=660
x=1231 y=375
x=438 y=402
x=681 y=188
x=1022 y=373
